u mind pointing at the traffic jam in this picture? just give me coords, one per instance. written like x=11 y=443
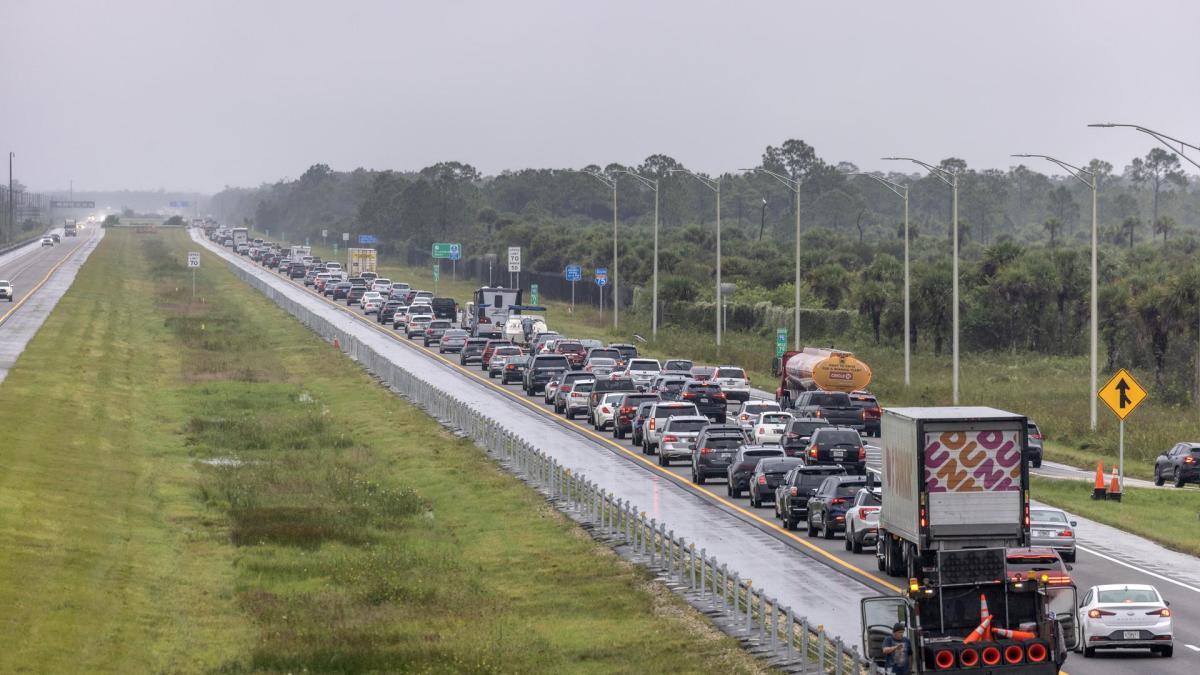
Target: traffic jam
x=985 y=576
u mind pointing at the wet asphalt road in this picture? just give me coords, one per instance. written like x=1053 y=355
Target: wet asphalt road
x=1105 y=555
x=40 y=275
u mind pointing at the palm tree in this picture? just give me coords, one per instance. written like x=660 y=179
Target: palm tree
x=1053 y=226
x=1128 y=226
x=1165 y=225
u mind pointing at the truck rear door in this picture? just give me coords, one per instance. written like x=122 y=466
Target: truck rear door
x=974 y=477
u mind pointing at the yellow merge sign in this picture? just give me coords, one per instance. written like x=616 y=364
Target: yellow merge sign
x=1122 y=393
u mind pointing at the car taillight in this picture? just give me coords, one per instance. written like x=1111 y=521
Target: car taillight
x=862 y=452
x=706 y=451
x=762 y=430
x=812 y=451
x=605 y=409
x=1066 y=533
x=508 y=367
x=794 y=491
x=670 y=438
x=720 y=396
x=1036 y=436
x=762 y=480
x=651 y=423
x=1160 y=612
x=1058 y=580
x=1097 y=613
x=689 y=395
x=818 y=413
x=837 y=500
x=626 y=410
x=863 y=512
x=1189 y=460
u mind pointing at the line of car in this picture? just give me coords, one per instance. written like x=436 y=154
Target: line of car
x=808 y=464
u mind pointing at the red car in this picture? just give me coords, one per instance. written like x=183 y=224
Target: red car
x=487 y=352
x=573 y=350
x=703 y=373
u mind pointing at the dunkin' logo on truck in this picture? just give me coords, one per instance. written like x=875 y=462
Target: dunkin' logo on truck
x=973 y=461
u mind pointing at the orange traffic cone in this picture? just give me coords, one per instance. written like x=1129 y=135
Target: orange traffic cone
x=1099 y=492
x=1014 y=634
x=1114 y=487
x=980 y=631
x=985 y=616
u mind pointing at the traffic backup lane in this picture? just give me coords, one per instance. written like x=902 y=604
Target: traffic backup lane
x=1093 y=567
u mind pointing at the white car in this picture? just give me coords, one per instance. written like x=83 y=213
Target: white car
x=604 y=413
x=1116 y=616
x=416 y=325
x=747 y=415
x=862 y=519
x=6 y=290
x=371 y=301
x=601 y=367
x=770 y=427
x=333 y=266
x=382 y=286
x=577 y=398
x=642 y=371
x=47 y=241
x=733 y=382
x=400 y=317
x=499 y=354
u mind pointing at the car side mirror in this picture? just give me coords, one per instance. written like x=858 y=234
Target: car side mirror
x=1070 y=567
x=812 y=491
x=1074 y=524
x=1168 y=602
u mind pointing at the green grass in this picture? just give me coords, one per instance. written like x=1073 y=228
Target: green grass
x=208 y=486
x=1053 y=390
x=1169 y=516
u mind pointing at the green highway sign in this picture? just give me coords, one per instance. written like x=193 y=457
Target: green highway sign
x=780 y=342
x=447 y=251
x=533 y=294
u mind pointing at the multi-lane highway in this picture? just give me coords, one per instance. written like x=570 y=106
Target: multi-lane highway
x=39 y=275
x=1128 y=559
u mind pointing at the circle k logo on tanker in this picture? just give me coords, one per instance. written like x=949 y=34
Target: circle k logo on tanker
x=841 y=372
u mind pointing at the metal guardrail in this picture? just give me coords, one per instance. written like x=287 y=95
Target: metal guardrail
x=13 y=247
x=774 y=630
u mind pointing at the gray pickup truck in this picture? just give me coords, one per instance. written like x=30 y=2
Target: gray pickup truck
x=834 y=406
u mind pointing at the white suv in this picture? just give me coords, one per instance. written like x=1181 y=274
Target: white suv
x=6 y=290
x=733 y=382
x=642 y=371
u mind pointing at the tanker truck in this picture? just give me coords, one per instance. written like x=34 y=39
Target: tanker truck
x=819 y=368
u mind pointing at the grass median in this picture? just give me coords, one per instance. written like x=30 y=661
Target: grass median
x=1167 y=516
x=205 y=485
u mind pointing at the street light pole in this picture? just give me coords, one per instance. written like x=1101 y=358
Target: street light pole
x=12 y=233
x=793 y=185
x=653 y=185
x=715 y=186
x=902 y=192
x=616 y=296
x=1091 y=181
x=949 y=178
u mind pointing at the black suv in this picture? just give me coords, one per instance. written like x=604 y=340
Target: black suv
x=799 y=432
x=627 y=409
x=791 y=497
x=355 y=294
x=472 y=351
x=737 y=477
x=541 y=369
x=708 y=398
x=840 y=446
x=714 y=450
x=388 y=311
x=827 y=508
x=767 y=476
x=1033 y=448
x=341 y=290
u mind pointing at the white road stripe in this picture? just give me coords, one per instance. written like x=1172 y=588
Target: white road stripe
x=1193 y=648
x=1139 y=569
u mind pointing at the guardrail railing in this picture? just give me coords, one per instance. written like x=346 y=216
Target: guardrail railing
x=774 y=630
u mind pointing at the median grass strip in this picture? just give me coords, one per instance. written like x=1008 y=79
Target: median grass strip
x=1167 y=516
x=345 y=530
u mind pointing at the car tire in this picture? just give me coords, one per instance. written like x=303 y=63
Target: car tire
x=570 y=414
x=618 y=433
x=735 y=493
x=1167 y=652
x=701 y=479
x=754 y=500
x=1069 y=557
x=827 y=532
x=1089 y=652
x=812 y=529
x=695 y=478
x=1179 y=481
x=855 y=545
x=663 y=461
x=789 y=524
x=1158 y=479
x=1037 y=464
x=846 y=542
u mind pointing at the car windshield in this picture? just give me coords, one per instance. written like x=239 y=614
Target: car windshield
x=677 y=364
x=607 y=354
x=644 y=364
x=1032 y=562
x=1042 y=516
x=701 y=388
x=731 y=372
x=777 y=465
x=812 y=479
x=627 y=351
x=846 y=490
x=1128 y=595
x=518 y=359
x=570 y=347
x=763 y=452
x=583 y=386
x=806 y=428
x=868 y=498
x=775 y=418
x=456 y=332
x=669 y=410
x=686 y=426
x=637 y=400
x=759 y=408
x=602 y=363
x=552 y=362
x=723 y=442
x=830 y=399
x=838 y=437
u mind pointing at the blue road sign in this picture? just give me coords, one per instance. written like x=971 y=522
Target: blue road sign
x=456 y=251
x=367 y=239
x=601 y=276
x=573 y=273
x=180 y=204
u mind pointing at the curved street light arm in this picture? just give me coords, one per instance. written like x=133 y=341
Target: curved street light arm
x=610 y=182
x=1161 y=138
x=1076 y=172
x=652 y=184
x=714 y=185
x=900 y=189
x=948 y=177
x=791 y=183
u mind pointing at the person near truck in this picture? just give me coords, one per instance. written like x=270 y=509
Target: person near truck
x=898 y=652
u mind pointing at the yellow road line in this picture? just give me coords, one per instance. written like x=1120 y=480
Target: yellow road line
x=588 y=432
x=38 y=285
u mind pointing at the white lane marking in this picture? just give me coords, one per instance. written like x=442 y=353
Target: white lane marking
x=1139 y=569
x=1193 y=648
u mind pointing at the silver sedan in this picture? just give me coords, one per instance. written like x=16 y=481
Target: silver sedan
x=1053 y=528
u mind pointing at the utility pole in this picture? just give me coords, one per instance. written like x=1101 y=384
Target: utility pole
x=949 y=178
x=792 y=184
x=12 y=235
x=715 y=186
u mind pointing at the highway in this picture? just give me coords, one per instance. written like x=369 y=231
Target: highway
x=39 y=275
x=1116 y=558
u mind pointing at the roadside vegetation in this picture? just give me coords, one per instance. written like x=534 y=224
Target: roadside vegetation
x=216 y=490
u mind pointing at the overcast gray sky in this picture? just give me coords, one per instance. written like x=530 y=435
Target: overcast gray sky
x=202 y=94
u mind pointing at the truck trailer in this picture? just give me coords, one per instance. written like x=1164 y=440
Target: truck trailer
x=819 y=368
